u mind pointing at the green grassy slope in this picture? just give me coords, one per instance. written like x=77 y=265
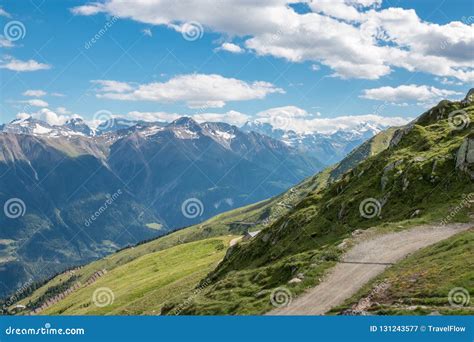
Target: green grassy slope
x=140 y=286
x=414 y=181
x=421 y=283
x=253 y=217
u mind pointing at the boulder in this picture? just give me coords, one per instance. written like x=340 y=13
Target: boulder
x=465 y=157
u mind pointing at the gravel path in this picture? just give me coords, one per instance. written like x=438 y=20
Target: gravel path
x=361 y=263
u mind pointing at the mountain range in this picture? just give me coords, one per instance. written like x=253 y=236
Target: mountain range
x=417 y=174
x=150 y=178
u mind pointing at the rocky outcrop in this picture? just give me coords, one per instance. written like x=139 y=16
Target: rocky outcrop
x=469 y=97
x=465 y=156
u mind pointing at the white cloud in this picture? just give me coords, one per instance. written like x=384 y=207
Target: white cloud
x=147 y=32
x=113 y=86
x=57 y=94
x=230 y=47
x=447 y=81
x=36 y=103
x=48 y=116
x=152 y=116
x=34 y=93
x=314 y=123
x=355 y=38
x=232 y=117
x=62 y=110
x=196 y=90
x=87 y=9
x=287 y=111
x=408 y=93
x=13 y=64
x=4 y=13
x=5 y=43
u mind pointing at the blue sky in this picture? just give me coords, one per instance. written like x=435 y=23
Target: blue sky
x=318 y=64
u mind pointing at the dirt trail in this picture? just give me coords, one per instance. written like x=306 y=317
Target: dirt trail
x=364 y=261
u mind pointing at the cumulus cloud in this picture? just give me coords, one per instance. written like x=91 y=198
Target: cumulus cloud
x=230 y=47
x=34 y=93
x=48 y=116
x=196 y=90
x=36 y=103
x=408 y=93
x=355 y=38
x=152 y=116
x=13 y=64
x=5 y=43
x=232 y=117
x=299 y=120
x=107 y=86
x=286 y=111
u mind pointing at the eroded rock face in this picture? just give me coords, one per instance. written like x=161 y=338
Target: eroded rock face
x=465 y=157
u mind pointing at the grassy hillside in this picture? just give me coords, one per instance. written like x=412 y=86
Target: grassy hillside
x=253 y=217
x=137 y=287
x=415 y=181
x=421 y=283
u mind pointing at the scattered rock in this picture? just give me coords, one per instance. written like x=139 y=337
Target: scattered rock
x=295 y=281
x=406 y=182
x=469 y=97
x=465 y=157
x=343 y=244
x=389 y=167
x=399 y=134
x=350 y=312
x=419 y=159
